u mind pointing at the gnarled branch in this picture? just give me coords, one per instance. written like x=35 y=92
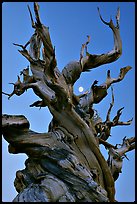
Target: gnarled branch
x=116 y=155
x=104 y=128
x=73 y=70
x=97 y=93
x=121 y=76
x=92 y=60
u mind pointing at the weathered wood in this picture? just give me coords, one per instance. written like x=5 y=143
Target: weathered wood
x=65 y=164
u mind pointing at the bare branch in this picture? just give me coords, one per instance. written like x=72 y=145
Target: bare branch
x=106 y=144
x=115 y=163
x=93 y=60
x=41 y=35
x=111 y=105
x=24 y=52
x=32 y=22
x=25 y=74
x=104 y=128
x=40 y=88
x=10 y=95
x=128 y=145
x=97 y=93
x=34 y=51
x=36 y=9
x=48 y=76
x=84 y=48
x=102 y=18
x=116 y=118
x=118 y=18
x=38 y=104
x=117 y=39
x=121 y=76
x=15 y=129
x=35 y=45
x=19 y=88
x=19 y=45
x=125 y=123
x=43 y=32
x=26 y=55
x=116 y=155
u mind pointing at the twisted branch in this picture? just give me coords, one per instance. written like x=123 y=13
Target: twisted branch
x=104 y=128
x=116 y=155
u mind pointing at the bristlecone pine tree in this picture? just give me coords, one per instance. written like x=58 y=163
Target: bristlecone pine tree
x=66 y=164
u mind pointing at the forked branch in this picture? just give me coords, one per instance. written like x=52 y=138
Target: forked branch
x=104 y=128
x=116 y=155
x=92 y=60
x=121 y=76
x=97 y=93
x=73 y=70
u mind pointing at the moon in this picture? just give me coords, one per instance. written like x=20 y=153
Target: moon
x=80 y=89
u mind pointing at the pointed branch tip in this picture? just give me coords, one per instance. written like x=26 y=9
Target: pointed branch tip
x=32 y=22
x=36 y=9
x=102 y=18
x=23 y=47
x=12 y=83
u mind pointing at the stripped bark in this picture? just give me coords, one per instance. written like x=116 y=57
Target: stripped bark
x=65 y=164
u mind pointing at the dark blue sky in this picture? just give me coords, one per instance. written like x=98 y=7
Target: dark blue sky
x=69 y=24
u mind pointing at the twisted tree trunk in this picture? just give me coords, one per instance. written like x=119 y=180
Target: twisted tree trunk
x=66 y=163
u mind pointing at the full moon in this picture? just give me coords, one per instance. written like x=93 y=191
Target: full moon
x=80 y=89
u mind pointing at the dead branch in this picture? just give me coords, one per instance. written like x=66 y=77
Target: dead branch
x=35 y=45
x=92 y=60
x=10 y=95
x=73 y=70
x=36 y=9
x=118 y=18
x=121 y=76
x=110 y=108
x=38 y=104
x=15 y=129
x=116 y=156
x=19 y=45
x=84 y=48
x=19 y=88
x=26 y=77
x=116 y=118
x=97 y=93
x=32 y=22
x=127 y=145
x=125 y=123
x=104 y=128
x=106 y=144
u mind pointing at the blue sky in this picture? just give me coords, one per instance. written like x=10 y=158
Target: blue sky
x=69 y=24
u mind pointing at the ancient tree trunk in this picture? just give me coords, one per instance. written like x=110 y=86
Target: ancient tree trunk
x=65 y=164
